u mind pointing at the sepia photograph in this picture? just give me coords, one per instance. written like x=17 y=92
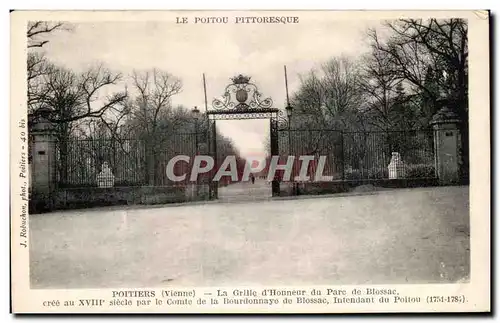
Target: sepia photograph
x=249 y=148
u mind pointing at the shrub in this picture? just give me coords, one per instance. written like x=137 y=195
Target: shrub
x=378 y=173
x=420 y=171
x=353 y=174
x=373 y=173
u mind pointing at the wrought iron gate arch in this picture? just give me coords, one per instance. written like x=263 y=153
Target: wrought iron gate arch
x=242 y=100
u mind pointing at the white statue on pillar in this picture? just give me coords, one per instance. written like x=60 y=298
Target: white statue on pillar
x=396 y=167
x=105 y=177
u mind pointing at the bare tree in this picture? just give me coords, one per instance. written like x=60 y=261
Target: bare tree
x=153 y=102
x=342 y=94
x=332 y=96
x=420 y=51
x=38 y=66
x=382 y=91
x=73 y=96
x=416 y=45
x=150 y=114
x=38 y=31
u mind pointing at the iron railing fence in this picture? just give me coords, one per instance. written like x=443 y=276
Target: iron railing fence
x=132 y=162
x=356 y=155
x=389 y=154
x=347 y=156
x=316 y=144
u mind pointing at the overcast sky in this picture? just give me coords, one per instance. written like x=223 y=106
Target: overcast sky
x=220 y=51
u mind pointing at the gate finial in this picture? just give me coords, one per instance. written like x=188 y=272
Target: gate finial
x=241 y=79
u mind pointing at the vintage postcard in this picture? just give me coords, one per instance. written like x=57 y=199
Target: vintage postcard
x=250 y=161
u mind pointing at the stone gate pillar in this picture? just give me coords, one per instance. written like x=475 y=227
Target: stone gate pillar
x=447 y=145
x=43 y=160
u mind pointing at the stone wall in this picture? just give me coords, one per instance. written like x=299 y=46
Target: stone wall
x=318 y=188
x=70 y=198
x=86 y=197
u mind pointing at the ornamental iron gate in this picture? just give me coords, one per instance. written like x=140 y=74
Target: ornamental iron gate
x=114 y=169
x=242 y=100
x=350 y=156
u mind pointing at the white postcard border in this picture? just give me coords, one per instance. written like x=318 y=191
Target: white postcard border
x=476 y=293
